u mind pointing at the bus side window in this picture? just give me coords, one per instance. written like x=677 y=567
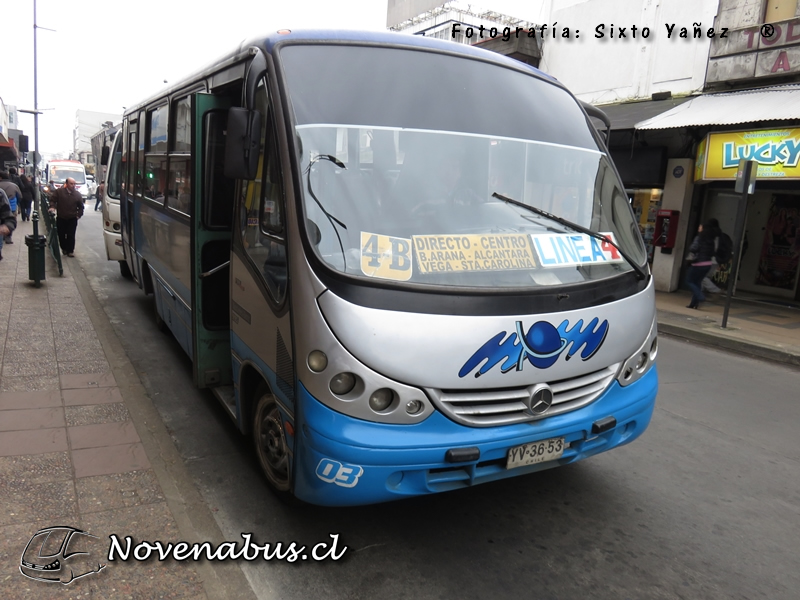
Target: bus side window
x=262 y=210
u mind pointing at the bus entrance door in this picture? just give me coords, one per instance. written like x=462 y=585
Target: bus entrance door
x=213 y=199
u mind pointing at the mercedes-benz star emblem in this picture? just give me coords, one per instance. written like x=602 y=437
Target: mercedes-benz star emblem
x=541 y=399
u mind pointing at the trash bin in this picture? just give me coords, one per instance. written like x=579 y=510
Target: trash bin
x=36 y=246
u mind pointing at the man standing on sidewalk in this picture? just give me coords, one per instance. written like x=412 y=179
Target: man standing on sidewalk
x=8 y=222
x=67 y=205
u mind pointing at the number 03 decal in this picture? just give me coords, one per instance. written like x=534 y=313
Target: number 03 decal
x=335 y=472
x=386 y=257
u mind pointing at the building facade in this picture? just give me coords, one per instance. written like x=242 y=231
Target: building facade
x=88 y=123
x=750 y=109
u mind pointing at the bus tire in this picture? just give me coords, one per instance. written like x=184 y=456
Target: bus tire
x=269 y=443
x=124 y=270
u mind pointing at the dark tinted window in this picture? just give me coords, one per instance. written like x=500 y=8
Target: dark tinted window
x=426 y=90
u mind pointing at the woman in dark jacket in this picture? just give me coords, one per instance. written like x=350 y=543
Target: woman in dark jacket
x=27 y=198
x=701 y=253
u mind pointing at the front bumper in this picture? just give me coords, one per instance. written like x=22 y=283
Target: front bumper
x=342 y=461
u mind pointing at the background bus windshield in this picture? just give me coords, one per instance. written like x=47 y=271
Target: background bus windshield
x=60 y=174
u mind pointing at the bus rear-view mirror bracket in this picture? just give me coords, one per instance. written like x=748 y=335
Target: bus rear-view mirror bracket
x=242 y=143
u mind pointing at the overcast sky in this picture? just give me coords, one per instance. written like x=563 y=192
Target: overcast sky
x=105 y=54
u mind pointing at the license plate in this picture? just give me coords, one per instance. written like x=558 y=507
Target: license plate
x=535 y=452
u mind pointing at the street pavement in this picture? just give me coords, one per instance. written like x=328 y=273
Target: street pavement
x=82 y=446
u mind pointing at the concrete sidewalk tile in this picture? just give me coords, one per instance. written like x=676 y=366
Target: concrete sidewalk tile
x=96 y=414
x=21 y=369
x=25 y=501
x=109 y=459
x=79 y=397
x=120 y=490
x=35 y=468
x=102 y=434
x=97 y=365
x=87 y=380
x=32 y=418
x=20 y=400
x=29 y=383
x=43 y=354
x=37 y=441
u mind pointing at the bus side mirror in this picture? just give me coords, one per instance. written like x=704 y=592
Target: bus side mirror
x=242 y=143
x=104 y=154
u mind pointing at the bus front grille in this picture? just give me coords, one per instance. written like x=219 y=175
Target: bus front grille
x=490 y=408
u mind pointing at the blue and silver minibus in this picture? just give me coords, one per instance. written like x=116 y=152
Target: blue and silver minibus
x=403 y=265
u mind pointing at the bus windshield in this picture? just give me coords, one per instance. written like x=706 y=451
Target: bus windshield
x=402 y=151
x=61 y=173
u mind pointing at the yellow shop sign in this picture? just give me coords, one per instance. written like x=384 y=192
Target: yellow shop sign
x=777 y=152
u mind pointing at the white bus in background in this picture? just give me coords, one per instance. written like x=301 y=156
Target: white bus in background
x=112 y=233
x=57 y=171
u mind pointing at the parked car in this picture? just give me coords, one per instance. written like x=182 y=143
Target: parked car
x=92 y=185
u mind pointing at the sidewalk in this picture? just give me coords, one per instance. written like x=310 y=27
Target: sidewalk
x=758 y=328
x=82 y=446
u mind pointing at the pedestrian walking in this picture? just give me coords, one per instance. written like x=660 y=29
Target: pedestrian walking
x=700 y=257
x=27 y=198
x=721 y=261
x=99 y=195
x=8 y=222
x=12 y=172
x=14 y=196
x=67 y=204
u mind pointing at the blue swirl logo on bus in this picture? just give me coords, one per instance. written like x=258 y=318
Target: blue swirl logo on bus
x=541 y=346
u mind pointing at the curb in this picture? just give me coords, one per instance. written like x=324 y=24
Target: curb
x=745 y=347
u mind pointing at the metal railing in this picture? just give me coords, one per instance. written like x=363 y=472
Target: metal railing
x=52 y=232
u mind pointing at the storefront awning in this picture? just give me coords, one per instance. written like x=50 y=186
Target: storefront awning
x=627 y=114
x=731 y=108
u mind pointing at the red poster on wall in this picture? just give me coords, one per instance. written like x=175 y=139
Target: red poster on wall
x=780 y=251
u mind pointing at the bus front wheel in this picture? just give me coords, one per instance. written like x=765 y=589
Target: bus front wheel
x=269 y=440
x=124 y=270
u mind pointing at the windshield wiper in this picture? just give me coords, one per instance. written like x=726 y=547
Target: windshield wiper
x=330 y=217
x=640 y=272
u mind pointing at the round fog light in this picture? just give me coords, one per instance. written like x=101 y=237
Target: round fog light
x=641 y=361
x=413 y=407
x=381 y=399
x=343 y=383
x=317 y=361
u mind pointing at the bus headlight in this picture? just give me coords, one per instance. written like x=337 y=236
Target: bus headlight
x=380 y=399
x=317 y=361
x=343 y=383
x=641 y=360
